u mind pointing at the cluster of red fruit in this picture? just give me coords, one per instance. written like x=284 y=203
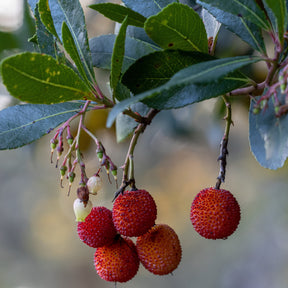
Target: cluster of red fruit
x=215 y=214
x=117 y=258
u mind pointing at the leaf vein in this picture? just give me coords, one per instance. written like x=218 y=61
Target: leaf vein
x=251 y=34
x=38 y=120
x=252 y=12
x=156 y=3
x=45 y=82
x=182 y=36
x=69 y=24
x=206 y=71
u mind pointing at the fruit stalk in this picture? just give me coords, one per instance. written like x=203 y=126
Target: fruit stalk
x=139 y=129
x=224 y=144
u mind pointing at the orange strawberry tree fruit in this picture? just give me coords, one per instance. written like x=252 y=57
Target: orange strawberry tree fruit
x=162 y=57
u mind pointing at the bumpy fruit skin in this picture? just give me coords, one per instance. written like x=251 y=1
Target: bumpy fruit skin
x=159 y=250
x=117 y=262
x=134 y=213
x=98 y=229
x=215 y=213
x=81 y=210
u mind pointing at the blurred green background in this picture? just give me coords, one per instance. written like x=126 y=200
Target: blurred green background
x=175 y=159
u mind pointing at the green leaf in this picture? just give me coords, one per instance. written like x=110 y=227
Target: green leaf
x=102 y=49
x=118 y=55
x=268 y=135
x=178 y=27
x=121 y=92
x=155 y=69
x=23 y=124
x=139 y=34
x=148 y=7
x=71 y=12
x=39 y=78
x=247 y=9
x=194 y=77
x=125 y=125
x=209 y=71
x=177 y=97
x=46 y=18
x=247 y=31
x=71 y=49
x=279 y=9
x=118 y=13
x=45 y=39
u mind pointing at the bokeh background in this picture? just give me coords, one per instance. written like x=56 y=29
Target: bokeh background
x=175 y=159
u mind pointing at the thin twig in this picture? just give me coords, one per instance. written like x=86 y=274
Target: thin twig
x=126 y=180
x=247 y=90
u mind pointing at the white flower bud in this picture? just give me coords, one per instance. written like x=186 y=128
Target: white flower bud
x=94 y=184
x=81 y=211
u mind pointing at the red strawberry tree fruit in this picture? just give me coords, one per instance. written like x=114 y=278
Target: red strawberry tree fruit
x=162 y=57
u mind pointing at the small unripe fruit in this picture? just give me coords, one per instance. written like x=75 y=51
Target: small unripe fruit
x=94 y=184
x=114 y=173
x=63 y=170
x=81 y=210
x=98 y=229
x=70 y=141
x=159 y=250
x=71 y=176
x=53 y=143
x=134 y=213
x=100 y=155
x=53 y=146
x=117 y=262
x=215 y=213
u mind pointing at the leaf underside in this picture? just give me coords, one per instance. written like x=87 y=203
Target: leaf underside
x=72 y=14
x=23 y=124
x=45 y=39
x=242 y=8
x=102 y=49
x=247 y=31
x=268 y=135
x=147 y=7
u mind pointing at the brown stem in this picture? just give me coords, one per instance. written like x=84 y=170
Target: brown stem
x=224 y=144
x=132 y=114
x=223 y=163
x=129 y=156
x=247 y=90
